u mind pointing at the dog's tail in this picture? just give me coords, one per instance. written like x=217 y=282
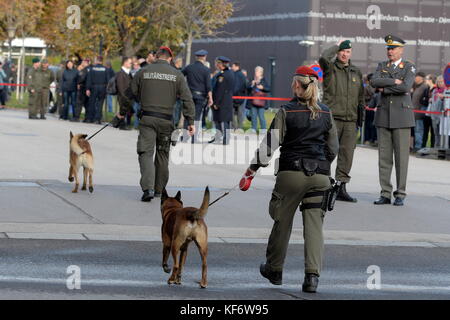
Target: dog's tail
x=201 y=213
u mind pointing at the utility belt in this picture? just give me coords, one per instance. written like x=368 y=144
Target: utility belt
x=309 y=166
x=199 y=93
x=154 y=114
x=328 y=198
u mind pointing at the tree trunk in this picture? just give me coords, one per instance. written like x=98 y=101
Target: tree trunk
x=189 y=49
x=128 y=49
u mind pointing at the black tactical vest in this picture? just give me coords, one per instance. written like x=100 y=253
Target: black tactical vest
x=305 y=138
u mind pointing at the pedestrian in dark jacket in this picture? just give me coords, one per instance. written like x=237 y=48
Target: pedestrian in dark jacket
x=240 y=89
x=223 y=100
x=69 y=85
x=258 y=87
x=123 y=80
x=419 y=89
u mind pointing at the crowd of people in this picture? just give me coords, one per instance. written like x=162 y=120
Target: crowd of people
x=74 y=88
x=77 y=91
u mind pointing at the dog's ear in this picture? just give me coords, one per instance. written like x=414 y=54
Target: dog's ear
x=83 y=136
x=164 y=195
x=178 y=196
x=71 y=135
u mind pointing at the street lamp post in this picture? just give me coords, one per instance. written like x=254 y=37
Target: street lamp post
x=11 y=35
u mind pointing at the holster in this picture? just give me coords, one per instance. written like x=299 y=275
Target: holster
x=309 y=166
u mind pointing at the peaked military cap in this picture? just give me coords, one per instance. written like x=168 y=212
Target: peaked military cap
x=393 y=42
x=201 y=53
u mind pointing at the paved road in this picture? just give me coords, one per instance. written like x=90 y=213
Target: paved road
x=131 y=270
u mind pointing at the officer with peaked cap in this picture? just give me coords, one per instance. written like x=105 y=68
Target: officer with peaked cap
x=198 y=78
x=223 y=88
x=305 y=130
x=394 y=119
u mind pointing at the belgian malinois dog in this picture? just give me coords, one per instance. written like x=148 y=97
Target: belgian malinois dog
x=180 y=227
x=81 y=156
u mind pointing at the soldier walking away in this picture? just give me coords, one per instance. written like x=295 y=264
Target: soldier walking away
x=96 y=82
x=40 y=87
x=394 y=119
x=156 y=88
x=307 y=135
x=198 y=78
x=344 y=94
x=222 y=107
x=32 y=113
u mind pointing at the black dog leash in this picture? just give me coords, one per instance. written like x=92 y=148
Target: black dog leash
x=224 y=195
x=106 y=125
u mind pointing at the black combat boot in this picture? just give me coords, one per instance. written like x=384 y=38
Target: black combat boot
x=311 y=282
x=343 y=195
x=147 y=196
x=275 y=277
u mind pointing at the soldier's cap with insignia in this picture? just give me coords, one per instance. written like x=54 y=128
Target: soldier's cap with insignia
x=394 y=42
x=201 y=53
x=347 y=44
x=35 y=60
x=223 y=59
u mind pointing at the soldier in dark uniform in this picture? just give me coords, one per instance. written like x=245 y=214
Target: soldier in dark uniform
x=223 y=100
x=306 y=132
x=96 y=82
x=156 y=88
x=394 y=119
x=198 y=77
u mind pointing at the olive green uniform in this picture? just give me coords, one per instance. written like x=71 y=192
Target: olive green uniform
x=31 y=106
x=293 y=188
x=394 y=119
x=343 y=92
x=156 y=88
x=40 y=83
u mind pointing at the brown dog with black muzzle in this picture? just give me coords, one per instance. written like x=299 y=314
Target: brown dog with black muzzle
x=180 y=227
x=81 y=156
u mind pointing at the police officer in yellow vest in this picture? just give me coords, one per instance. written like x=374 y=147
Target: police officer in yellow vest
x=394 y=119
x=306 y=132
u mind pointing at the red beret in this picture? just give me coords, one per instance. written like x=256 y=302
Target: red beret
x=167 y=49
x=306 y=71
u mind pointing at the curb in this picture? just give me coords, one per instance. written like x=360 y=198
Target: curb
x=92 y=232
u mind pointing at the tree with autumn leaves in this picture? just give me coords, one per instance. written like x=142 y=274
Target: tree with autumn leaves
x=125 y=26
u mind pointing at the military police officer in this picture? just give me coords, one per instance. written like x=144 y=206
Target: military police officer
x=343 y=92
x=32 y=112
x=40 y=88
x=96 y=81
x=222 y=107
x=198 y=77
x=394 y=119
x=307 y=135
x=156 y=88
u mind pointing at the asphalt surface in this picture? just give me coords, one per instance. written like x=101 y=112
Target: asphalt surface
x=37 y=269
